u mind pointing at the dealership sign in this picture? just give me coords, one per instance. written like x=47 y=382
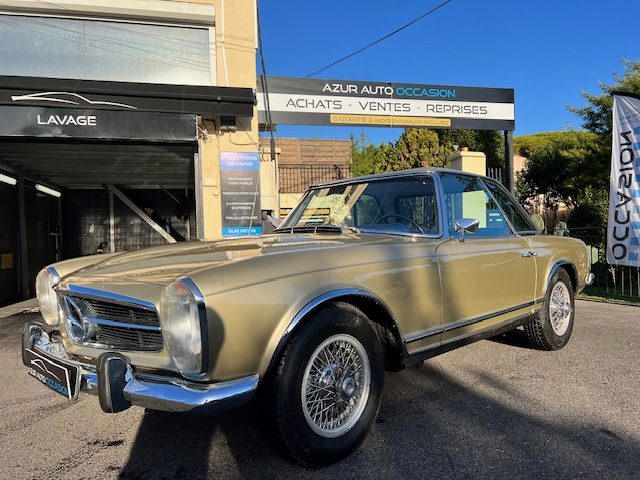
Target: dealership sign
x=240 y=192
x=623 y=238
x=345 y=102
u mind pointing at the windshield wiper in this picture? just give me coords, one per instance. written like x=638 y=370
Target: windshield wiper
x=310 y=229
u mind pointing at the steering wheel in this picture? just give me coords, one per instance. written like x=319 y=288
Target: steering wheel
x=408 y=220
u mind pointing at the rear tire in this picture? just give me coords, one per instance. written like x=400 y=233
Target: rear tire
x=326 y=392
x=552 y=327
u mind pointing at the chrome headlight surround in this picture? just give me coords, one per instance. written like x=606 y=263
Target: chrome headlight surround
x=46 y=281
x=183 y=319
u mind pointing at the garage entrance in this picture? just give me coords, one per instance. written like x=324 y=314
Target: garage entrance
x=83 y=198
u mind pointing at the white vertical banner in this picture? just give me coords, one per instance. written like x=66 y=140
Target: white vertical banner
x=623 y=235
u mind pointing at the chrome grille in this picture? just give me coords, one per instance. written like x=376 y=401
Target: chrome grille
x=108 y=324
x=122 y=313
x=128 y=338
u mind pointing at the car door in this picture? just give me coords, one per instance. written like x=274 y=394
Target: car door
x=488 y=278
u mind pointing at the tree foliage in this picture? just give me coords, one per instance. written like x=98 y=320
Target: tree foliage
x=560 y=166
x=596 y=115
x=421 y=147
x=573 y=167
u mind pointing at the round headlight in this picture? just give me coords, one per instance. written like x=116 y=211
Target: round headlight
x=46 y=280
x=183 y=321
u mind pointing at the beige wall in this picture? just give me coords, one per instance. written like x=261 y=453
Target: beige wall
x=235 y=54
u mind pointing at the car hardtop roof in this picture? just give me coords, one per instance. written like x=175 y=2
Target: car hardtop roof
x=399 y=173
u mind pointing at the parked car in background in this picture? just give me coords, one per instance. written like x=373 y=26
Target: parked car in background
x=366 y=274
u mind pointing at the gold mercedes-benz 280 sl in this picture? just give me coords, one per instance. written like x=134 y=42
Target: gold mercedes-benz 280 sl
x=366 y=274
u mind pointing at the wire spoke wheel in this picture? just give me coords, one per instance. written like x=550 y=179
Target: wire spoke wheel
x=560 y=309
x=335 y=385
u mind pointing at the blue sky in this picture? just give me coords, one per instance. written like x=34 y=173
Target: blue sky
x=548 y=50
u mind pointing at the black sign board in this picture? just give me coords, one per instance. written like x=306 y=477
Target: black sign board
x=385 y=104
x=240 y=180
x=128 y=96
x=97 y=124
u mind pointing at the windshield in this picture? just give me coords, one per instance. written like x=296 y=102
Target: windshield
x=395 y=205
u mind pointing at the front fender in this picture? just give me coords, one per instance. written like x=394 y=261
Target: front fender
x=296 y=315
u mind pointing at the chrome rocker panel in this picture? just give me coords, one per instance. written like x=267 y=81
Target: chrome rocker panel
x=157 y=392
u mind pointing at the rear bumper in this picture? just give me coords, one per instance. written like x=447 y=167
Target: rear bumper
x=119 y=386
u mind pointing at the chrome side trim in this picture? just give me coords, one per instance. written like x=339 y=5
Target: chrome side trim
x=103 y=295
x=481 y=318
x=422 y=334
x=475 y=332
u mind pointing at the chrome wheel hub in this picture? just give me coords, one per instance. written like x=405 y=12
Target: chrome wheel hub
x=335 y=386
x=560 y=309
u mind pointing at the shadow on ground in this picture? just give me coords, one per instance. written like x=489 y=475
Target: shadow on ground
x=430 y=425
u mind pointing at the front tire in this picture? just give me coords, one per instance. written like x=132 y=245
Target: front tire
x=552 y=328
x=326 y=392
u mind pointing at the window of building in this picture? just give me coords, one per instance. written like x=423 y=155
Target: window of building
x=105 y=50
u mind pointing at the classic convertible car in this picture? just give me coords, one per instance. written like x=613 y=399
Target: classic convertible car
x=366 y=274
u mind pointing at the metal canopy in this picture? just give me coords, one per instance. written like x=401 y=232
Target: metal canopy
x=91 y=165
x=128 y=96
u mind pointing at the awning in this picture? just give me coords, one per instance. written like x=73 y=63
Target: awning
x=128 y=96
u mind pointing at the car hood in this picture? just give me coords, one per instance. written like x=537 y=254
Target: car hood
x=162 y=265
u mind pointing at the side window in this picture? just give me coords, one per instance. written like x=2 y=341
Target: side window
x=465 y=197
x=519 y=221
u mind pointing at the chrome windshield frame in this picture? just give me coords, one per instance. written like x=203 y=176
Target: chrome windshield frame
x=421 y=173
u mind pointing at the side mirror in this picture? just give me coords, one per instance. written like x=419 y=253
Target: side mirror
x=466 y=225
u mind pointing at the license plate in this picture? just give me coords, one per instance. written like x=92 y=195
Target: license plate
x=56 y=374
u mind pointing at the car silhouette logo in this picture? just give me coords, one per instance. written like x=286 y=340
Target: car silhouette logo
x=43 y=366
x=66 y=97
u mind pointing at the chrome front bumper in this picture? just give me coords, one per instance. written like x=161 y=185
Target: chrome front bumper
x=119 y=386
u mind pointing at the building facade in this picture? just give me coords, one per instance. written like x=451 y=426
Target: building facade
x=113 y=118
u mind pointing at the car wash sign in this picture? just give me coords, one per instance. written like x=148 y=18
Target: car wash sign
x=623 y=238
x=240 y=192
x=346 y=102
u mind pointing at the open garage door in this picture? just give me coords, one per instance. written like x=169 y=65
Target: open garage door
x=83 y=198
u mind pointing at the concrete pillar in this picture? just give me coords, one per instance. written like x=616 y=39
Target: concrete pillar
x=474 y=205
x=466 y=161
x=235 y=67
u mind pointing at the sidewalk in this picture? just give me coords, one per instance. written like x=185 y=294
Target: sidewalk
x=28 y=306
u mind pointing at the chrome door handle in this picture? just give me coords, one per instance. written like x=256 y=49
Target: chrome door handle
x=530 y=253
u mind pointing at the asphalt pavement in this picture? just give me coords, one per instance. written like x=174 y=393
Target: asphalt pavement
x=494 y=409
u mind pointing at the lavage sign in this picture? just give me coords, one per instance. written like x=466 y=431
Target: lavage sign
x=623 y=236
x=65 y=120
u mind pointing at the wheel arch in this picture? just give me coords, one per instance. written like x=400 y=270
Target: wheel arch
x=569 y=267
x=374 y=308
